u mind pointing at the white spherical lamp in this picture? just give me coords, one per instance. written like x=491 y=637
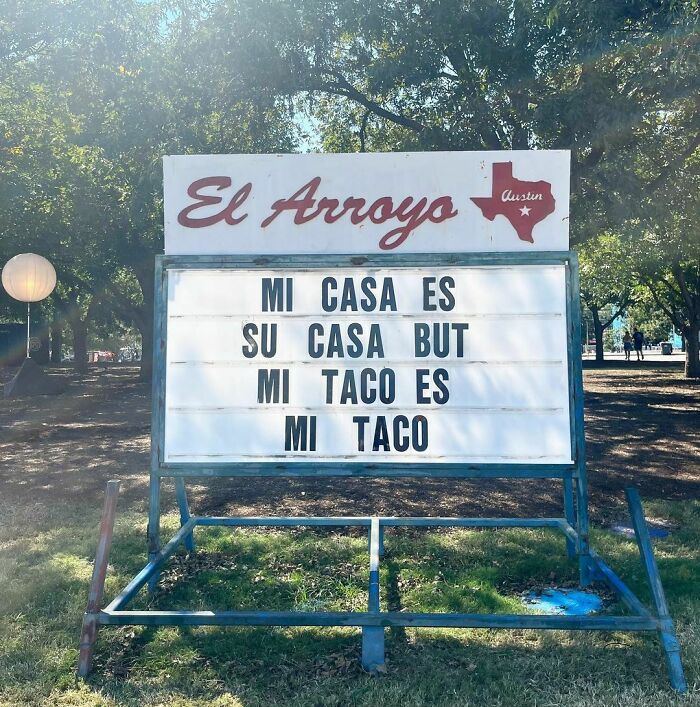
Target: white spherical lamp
x=28 y=278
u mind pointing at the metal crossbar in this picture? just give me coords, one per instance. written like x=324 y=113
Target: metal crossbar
x=373 y=622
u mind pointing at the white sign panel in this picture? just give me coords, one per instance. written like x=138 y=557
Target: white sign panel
x=407 y=364
x=428 y=202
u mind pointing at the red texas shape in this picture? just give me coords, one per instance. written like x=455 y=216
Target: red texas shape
x=524 y=204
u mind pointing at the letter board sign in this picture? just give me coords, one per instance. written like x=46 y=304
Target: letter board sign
x=307 y=329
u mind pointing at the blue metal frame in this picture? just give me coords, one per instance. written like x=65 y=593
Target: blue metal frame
x=574 y=524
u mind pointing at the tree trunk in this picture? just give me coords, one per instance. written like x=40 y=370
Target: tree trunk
x=598 y=333
x=56 y=341
x=144 y=323
x=692 y=350
x=79 y=329
x=146 y=370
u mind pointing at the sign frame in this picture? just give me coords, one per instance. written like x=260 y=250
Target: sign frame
x=576 y=469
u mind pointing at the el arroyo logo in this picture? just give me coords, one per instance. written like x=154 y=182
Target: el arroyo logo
x=524 y=204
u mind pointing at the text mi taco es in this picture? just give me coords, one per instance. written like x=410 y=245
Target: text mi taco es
x=305 y=205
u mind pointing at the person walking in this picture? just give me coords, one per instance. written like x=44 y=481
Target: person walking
x=627 y=344
x=638 y=338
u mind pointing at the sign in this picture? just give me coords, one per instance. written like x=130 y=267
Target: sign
x=373 y=311
x=369 y=315
x=429 y=202
x=408 y=364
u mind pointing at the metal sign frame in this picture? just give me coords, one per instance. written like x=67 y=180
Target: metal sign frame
x=573 y=524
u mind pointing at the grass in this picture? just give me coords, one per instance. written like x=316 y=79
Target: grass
x=45 y=567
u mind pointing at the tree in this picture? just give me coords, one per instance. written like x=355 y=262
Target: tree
x=606 y=286
x=84 y=122
x=646 y=315
x=663 y=237
x=445 y=74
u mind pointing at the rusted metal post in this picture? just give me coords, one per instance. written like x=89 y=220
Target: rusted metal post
x=88 y=634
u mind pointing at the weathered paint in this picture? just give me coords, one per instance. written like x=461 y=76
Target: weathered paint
x=88 y=634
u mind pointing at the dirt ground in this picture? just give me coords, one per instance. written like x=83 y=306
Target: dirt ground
x=642 y=429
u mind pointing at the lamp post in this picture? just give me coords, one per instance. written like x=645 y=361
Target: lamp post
x=28 y=277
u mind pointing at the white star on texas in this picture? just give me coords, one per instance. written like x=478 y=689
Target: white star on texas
x=525 y=211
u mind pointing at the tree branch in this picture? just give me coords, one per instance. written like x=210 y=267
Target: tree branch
x=620 y=311
x=673 y=164
x=669 y=312
x=346 y=89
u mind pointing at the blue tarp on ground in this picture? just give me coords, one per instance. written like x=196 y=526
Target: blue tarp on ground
x=565 y=602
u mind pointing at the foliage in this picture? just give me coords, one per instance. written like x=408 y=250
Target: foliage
x=607 y=286
x=491 y=74
x=649 y=318
x=93 y=97
x=94 y=93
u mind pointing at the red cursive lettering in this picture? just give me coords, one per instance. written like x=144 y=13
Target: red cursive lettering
x=305 y=208
x=227 y=214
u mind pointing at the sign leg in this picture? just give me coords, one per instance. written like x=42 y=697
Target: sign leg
x=154 y=528
x=570 y=513
x=584 y=560
x=373 y=636
x=88 y=634
x=181 y=493
x=667 y=632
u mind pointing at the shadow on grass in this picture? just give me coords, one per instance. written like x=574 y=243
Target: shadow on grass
x=457 y=571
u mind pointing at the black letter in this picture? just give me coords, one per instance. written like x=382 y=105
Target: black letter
x=381 y=435
x=428 y=292
x=360 y=421
x=249 y=331
x=439 y=376
x=421 y=386
x=420 y=424
x=296 y=433
x=328 y=303
x=447 y=304
x=330 y=374
x=317 y=350
x=401 y=443
x=273 y=294
x=422 y=339
x=460 y=329
x=269 y=385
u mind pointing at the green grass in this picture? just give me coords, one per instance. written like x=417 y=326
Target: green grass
x=45 y=567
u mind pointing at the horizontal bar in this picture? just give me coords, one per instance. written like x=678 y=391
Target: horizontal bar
x=473 y=522
x=131 y=589
x=363 y=469
x=315 y=261
x=288 y=521
x=383 y=521
x=396 y=618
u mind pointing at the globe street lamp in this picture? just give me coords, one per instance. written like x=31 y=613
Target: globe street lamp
x=28 y=278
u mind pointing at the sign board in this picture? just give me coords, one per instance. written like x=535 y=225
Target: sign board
x=427 y=202
x=423 y=321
